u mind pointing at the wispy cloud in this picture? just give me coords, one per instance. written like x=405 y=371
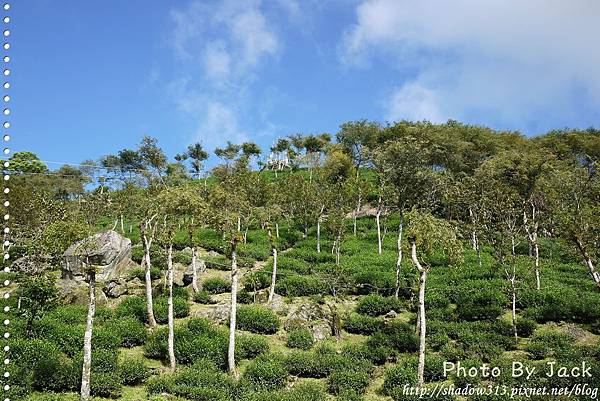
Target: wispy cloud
x=514 y=61
x=222 y=47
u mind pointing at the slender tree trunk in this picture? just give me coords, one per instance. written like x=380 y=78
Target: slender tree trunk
x=513 y=245
x=319 y=235
x=87 y=339
x=337 y=249
x=122 y=226
x=536 y=250
x=277 y=230
x=588 y=262
x=273 y=276
x=399 y=259
x=378 y=221
x=194 y=270
x=171 y=339
x=423 y=326
x=233 y=311
x=514 y=304
x=148 y=277
x=239 y=224
x=356 y=214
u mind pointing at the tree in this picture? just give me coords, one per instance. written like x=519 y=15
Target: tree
x=573 y=192
x=152 y=157
x=26 y=162
x=404 y=167
x=427 y=234
x=197 y=155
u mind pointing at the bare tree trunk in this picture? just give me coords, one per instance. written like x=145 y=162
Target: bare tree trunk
x=337 y=249
x=239 y=224
x=423 y=327
x=194 y=271
x=378 y=220
x=356 y=213
x=513 y=245
x=514 y=305
x=122 y=226
x=115 y=225
x=536 y=250
x=87 y=339
x=399 y=259
x=588 y=262
x=233 y=311
x=171 y=323
x=273 y=276
x=319 y=234
x=148 y=277
x=277 y=230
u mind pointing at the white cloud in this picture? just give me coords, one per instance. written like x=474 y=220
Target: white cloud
x=509 y=59
x=221 y=46
x=413 y=102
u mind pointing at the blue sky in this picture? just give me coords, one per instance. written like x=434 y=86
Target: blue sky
x=90 y=78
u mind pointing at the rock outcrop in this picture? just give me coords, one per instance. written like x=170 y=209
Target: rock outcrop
x=108 y=251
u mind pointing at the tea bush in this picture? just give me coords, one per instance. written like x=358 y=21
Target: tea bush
x=250 y=346
x=348 y=380
x=257 y=319
x=133 y=306
x=216 y=285
x=300 y=338
x=377 y=305
x=130 y=330
x=266 y=373
x=180 y=308
x=297 y=286
x=362 y=324
x=483 y=304
x=203 y=297
x=133 y=371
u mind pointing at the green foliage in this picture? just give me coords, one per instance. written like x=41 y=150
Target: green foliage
x=59 y=235
x=297 y=286
x=180 y=308
x=216 y=285
x=343 y=380
x=376 y=305
x=106 y=385
x=203 y=297
x=133 y=371
x=525 y=327
x=38 y=294
x=481 y=304
x=362 y=324
x=131 y=331
x=549 y=343
x=396 y=336
x=250 y=346
x=133 y=307
x=266 y=373
x=300 y=338
x=257 y=319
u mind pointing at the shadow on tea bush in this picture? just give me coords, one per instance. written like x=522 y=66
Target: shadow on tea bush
x=298 y=286
x=485 y=304
x=266 y=373
x=250 y=346
x=133 y=307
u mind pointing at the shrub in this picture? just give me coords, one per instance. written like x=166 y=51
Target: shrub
x=131 y=331
x=484 y=304
x=266 y=373
x=376 y=305
x=298 y=286
x=301 y=338
x=362 y=324
x=105 y=338
x=133 y=306
x=257 y=319
x=396 y=335
x=133 y=371
x=244 y=297
x=138 y=272
x=182 y=257
x=340 y=380
x=216 y=285
x=549 y=343
x=525 y=327
x=106 y=385
x=396 y=378
x=257 y=281
x=250 y=346
x=203 y=297
x=305 y=392
x=180 y=308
